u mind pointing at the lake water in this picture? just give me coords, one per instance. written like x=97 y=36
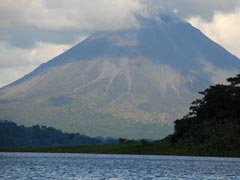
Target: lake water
x=46 y=166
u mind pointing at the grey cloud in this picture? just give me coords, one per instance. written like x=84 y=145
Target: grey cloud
x=16 y=62
x=189 y=8
x=23 y=22
x=11 y=56
x=27 y=37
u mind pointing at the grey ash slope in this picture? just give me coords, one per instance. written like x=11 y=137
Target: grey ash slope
x=131 y=83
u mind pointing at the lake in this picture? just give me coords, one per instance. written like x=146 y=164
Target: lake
x=51 y=166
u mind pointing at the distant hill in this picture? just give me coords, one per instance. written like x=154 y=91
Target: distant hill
x=14 y=136
x=130 y=83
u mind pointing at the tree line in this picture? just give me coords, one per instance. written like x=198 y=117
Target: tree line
x=13 y=135
x=213 y=121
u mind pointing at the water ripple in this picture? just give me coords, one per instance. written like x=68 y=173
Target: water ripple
x=42 y=166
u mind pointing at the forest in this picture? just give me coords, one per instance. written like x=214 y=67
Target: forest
x=13 y=135
x=213 y=122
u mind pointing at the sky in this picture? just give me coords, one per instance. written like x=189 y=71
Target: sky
x=34 y=31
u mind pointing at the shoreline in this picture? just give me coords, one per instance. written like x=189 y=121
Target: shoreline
x=137 y=148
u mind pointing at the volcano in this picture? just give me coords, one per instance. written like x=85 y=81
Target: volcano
x=130 y=83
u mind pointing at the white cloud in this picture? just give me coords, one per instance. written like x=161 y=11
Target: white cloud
x=11 y=74
x=189 y=8
x=16 y=62
x=14 y=57
x=224 y=29
x=11 y=56
x=45 y=51
x=64 y=15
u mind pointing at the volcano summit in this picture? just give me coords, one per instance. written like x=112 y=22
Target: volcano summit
x=130 y=83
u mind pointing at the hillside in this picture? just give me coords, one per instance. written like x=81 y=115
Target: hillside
x=130 y=83
x=212 y=128
x=14 y=136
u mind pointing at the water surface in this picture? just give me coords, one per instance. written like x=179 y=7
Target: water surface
x=46 y=166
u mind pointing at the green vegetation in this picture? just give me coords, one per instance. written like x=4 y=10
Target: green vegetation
x=12 y=136
x=213 y=123
x=211 y=128
x=161 y=147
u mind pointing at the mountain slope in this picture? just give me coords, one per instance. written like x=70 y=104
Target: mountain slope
x=131 y=83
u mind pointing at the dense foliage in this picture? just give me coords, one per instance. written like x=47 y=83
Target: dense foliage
x=213 y=122
x=12 y=135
